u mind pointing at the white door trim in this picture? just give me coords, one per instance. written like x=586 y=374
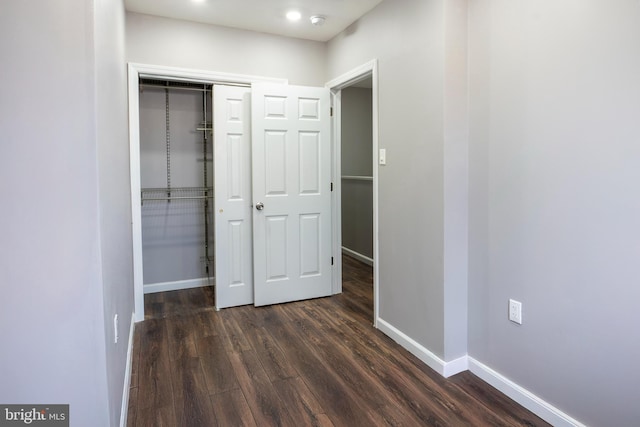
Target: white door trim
x=135 y=71
x=369 y=69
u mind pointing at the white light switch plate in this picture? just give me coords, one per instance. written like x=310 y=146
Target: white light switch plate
x=383 y=156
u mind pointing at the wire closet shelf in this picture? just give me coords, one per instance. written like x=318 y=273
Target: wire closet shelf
x=176 y=193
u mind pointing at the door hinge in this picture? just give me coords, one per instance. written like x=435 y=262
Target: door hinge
x=331 y=111
x=331 y=260
x=332 y=186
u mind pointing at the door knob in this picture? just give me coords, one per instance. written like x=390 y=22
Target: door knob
x=259 y=206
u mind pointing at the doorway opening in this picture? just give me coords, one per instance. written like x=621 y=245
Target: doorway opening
x=355 y=134
x=176 y=163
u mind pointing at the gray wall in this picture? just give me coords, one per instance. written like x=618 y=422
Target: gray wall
x=161 y=41
x=114 y=190
x=549 y=149
x=408 y=39
x=357 y=196
x=555 y=216
x=52 y=304
x=173 y=233
x=59 y=269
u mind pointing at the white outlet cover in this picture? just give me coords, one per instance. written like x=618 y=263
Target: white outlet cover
x=515 y=311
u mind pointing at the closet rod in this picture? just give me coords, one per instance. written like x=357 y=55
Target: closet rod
x=193 y=88
x=174 y=87
x=357 y=177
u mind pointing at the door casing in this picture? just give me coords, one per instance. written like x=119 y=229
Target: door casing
x=368 y=69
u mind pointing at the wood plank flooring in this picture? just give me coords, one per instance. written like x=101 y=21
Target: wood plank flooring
x=309 y=363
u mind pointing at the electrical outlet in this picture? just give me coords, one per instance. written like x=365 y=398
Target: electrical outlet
x=115 y=329
x=515 y=311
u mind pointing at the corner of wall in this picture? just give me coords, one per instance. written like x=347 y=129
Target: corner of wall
x=456 y=176
x=446 y=369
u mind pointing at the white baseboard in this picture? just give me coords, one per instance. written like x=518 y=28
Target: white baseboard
x=446 y=369
x=176 y=286
x=456 y=366
x=524 y=397
x=357 y=255
x=124 y=408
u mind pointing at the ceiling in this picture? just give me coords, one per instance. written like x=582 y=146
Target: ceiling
x=267 y=16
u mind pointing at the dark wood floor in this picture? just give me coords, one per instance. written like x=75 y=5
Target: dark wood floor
x=309 y=363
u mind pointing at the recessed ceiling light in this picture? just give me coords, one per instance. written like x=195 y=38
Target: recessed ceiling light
x=198 y=1
x=293 y=15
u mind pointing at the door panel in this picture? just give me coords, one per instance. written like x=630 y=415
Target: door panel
x=310 y=245
x=291 y=178
x=275 y=162
x=309 y=163
x=233 y=222
x=276 y=241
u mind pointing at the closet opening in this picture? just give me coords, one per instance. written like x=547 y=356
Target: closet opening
x=176 y=192
x=357 y=188
x=179 y=184
x=172 y=170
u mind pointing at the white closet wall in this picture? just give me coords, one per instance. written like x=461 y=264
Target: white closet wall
x=173 y=232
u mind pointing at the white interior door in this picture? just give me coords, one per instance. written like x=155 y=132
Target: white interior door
x=291 y=160
x=233 y=209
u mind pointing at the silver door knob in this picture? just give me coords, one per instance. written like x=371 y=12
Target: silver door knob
x=259 y=206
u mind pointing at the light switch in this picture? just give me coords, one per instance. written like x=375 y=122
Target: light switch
x=383 y=156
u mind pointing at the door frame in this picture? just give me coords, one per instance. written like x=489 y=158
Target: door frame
x=366 y=70
x=135 y=71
